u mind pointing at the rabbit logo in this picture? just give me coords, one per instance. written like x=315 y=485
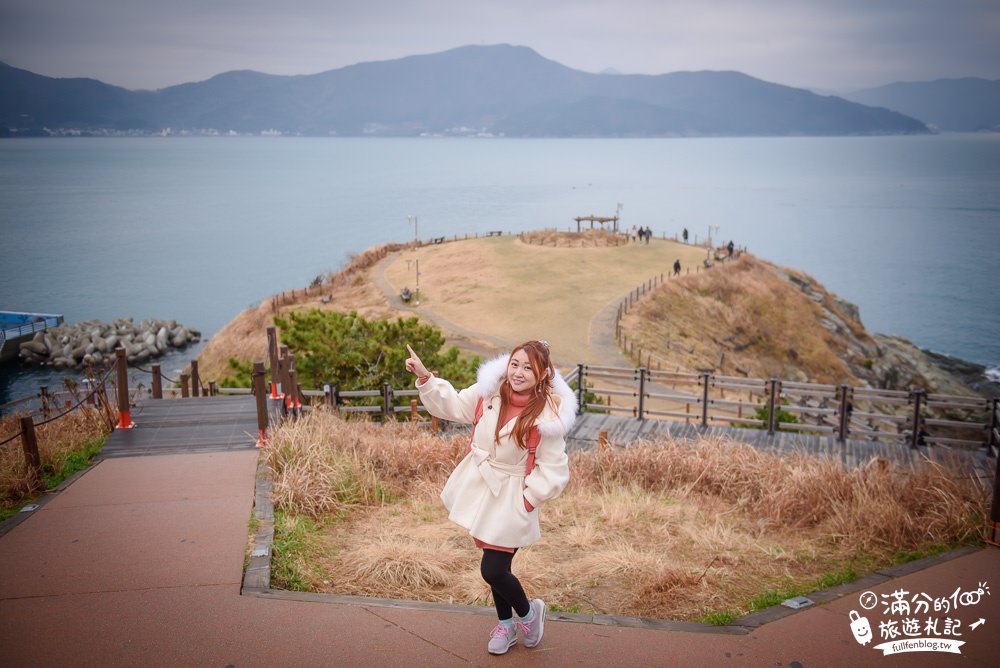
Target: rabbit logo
x=861 y=628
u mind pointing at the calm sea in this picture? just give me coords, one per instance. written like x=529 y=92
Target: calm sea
x=198 y=229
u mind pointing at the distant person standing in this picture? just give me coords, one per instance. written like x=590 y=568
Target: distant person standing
x=677 y=265
x=730 y=248
x=649 y=233
x=685 y=235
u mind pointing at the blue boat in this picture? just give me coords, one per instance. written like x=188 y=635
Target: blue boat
x=16 y=327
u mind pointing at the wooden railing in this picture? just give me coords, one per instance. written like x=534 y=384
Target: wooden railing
x=907 y=417
x=912 y=418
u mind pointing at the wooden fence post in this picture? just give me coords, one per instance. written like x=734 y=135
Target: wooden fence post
x=579 y=388
x=771 y=404
x=44 y=389
x=642 y=391
x=121 y=389
x=157 y=382
x=272 y=357
x=704 y=399
x=195 y=379
x=845 y=413
x=387 y=410
x=29 y=444
x=993 y=440
x=211 y=388
x=260 y=394
x=184 y=386
x=917 y=395
x=413 y=410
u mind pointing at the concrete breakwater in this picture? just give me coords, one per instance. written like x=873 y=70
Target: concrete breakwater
x=92 y=342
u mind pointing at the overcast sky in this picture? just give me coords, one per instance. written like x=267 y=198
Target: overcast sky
x=835 y=45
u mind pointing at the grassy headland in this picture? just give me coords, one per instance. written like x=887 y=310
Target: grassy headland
x=745 y=317
x=485 y=294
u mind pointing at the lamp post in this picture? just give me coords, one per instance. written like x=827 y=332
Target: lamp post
x=710 y=227
x=417 y=293
x=413 y=219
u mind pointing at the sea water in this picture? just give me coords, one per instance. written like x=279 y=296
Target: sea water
x=197 y=229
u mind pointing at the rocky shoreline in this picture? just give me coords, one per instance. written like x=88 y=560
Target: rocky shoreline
x=892 y=362
x=93 y=343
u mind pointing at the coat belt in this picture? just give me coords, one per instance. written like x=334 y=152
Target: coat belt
x=493 y=471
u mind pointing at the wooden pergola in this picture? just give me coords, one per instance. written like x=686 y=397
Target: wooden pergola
x=597 y=219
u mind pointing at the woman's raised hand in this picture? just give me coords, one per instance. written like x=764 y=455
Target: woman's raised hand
x=415 y=366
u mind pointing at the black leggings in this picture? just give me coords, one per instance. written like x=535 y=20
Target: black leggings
x=507 y=591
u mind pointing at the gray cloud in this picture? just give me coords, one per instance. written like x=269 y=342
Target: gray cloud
x=832 y=44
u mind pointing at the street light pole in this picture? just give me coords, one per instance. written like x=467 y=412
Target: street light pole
x=710 y=233
x=413 y=219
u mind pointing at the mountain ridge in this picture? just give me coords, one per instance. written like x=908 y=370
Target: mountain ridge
x=966 y=104
x=467 y=90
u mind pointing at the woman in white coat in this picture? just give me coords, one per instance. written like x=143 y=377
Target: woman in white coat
x=520 y=409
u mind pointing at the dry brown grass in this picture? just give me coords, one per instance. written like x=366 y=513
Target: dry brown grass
x=584 y=239
x=757 y=322
x=57 y=442
x=668 y=529
x=560 y=289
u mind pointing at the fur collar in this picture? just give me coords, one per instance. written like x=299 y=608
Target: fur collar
x=488 y=379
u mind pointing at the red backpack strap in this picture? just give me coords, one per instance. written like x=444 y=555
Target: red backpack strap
x=475 y=421
x=533 y=440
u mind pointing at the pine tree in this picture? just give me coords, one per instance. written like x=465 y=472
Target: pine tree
x=353 y=353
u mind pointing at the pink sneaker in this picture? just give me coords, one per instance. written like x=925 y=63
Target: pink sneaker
x=535 y=628
x=502 y=638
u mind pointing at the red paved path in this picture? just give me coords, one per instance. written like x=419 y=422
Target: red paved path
x=139 y=563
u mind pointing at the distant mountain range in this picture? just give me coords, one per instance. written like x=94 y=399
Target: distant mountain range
x=495 y=90
x=946 y=105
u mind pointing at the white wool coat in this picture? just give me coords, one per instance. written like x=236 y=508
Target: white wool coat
x=485 y=493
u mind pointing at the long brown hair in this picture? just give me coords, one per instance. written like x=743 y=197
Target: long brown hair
x=541 y=364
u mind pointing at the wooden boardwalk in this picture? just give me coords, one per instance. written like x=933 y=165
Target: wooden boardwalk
x=176 y=426
x=623 y=431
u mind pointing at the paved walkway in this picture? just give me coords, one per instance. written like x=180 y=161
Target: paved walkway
x=139 y=562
